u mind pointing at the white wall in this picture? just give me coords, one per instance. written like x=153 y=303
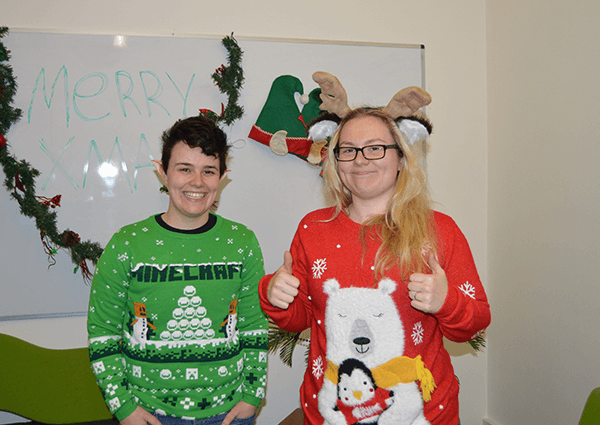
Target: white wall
x=544 y=204
x=454 y=36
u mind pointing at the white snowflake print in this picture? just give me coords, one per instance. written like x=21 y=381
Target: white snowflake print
x=317 y=367
x=123 y=257
x=417 y=333
x=234 y=227
x=159 y=242
x=318 y=268
x=468 y=289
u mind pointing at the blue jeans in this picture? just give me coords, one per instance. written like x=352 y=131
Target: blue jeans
x=213 y=420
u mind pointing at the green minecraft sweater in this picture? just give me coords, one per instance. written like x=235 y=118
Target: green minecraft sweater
x=174 y=321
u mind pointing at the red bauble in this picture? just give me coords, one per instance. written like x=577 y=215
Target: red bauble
x=2 y=141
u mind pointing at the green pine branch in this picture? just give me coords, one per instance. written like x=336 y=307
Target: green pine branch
x=230 y=79
x=478 y=343
x=8 y=88
x=20 y=181
x=283 y=341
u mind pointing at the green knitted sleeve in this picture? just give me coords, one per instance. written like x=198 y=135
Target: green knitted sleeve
x=105 y=317
x=253 y=325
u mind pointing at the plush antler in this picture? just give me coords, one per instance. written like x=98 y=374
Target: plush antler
x=407 y=101
x=332 y=94
x=404 y=103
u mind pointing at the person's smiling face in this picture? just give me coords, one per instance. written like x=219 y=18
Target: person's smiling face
x=369 y=180
x=193 y=181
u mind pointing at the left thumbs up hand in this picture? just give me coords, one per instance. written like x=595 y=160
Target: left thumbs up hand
x=428 y=291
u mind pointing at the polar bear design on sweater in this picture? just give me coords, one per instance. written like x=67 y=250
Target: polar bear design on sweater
x=364 y=324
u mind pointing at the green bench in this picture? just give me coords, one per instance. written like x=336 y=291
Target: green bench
x=49 y=386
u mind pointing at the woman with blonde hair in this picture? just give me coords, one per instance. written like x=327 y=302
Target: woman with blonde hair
x=379 y=278
x=405 y=227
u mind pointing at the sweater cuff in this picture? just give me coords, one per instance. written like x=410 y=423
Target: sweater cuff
x=263 y=286
x=449 y=304
x=250 y=399
x=125 y=410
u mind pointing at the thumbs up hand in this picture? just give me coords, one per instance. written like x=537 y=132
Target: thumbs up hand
x=428 y=291
x=283 y=287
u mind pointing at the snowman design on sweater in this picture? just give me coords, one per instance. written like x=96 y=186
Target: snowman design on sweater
x=368 y=380
x=230 y=323
x=141 y=324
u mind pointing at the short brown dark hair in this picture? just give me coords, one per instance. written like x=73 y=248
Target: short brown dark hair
x=196 y=132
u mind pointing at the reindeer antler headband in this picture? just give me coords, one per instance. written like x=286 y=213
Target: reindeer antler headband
x=404 y=104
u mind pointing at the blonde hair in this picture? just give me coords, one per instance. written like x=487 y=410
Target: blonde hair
x=406 y=230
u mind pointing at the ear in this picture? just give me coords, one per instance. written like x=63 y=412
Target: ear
x=161 y=172
x=224 y=174
x=386 y=286
x=331 y=286
x=413 y=130
x=158 y=165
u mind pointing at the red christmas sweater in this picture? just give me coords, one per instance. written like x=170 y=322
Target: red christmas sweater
x=354 y=315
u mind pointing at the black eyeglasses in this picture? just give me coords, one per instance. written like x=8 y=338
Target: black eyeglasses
x=347 y=153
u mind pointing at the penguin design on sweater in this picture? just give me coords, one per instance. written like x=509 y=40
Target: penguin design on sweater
x=359 y=398
x=230 y=322
x=141 y=324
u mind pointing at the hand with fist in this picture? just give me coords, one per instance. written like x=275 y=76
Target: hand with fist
x=283 y=286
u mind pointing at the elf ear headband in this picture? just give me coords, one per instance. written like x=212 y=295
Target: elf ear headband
x=401 y=108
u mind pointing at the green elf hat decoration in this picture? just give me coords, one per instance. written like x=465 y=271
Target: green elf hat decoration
x=282 y=126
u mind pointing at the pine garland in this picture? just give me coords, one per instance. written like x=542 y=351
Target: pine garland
x=230 y=79
x=478 y=343
x=20 y=181
x=284 y=341
x=8 y=88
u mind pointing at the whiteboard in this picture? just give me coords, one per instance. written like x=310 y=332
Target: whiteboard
x=89 y=102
